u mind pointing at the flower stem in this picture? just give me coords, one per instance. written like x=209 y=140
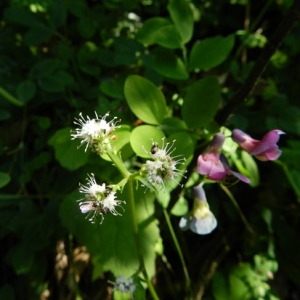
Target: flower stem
x=137 y=240
x=231 y=197
x=118 y=163
x=10 y=98
x=180 y=254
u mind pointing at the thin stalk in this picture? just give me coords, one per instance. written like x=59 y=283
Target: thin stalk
x=234 y=202
x=10 y=98
x=119 y=164
x=180 y=254
x=137 y=240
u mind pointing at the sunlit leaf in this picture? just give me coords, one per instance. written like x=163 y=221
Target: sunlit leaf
x=145 y=100
x=182 y=16
x=210 y=52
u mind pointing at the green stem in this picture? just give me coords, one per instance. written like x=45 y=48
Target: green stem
x=119 y=164
x=180 y=254
x=137 y=240
x=231 y=197
x=10 y=98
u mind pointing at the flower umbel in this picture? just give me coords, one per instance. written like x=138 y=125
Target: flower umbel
x=200 y=220
x=265 y=149
x=213 y=164
x=96 y=133
x=99 y=200
x=163 y=166
x=124 y=285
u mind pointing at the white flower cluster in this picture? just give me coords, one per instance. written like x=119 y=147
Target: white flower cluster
x=124 y=285
x=99 y=200
x=163 y=166
x=96 y=133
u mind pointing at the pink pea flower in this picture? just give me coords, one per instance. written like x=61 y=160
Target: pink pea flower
x=213 y=164
x=264 y=149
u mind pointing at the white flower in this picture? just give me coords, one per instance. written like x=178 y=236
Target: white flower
x=200 y=220
x=163 y=166
x=96 y=133
x=124 y=285
x=99 y=200
x=110 y=203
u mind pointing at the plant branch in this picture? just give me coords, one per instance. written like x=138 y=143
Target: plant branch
x=290 y=19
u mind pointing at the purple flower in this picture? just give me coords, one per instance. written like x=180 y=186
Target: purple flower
x=214 y=165
x=264 y=149
x=200 y=220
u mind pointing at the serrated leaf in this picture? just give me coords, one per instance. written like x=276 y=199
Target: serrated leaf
x=142 y=137
x=201 y=102
x=182 y=16
x=66 y=150
x=145 y=100
x=210 y=52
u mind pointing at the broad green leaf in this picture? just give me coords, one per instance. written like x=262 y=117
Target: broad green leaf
x=210 y=52
x=147 y=34
x=26 y=90
x=168 y=37
x=170 y=65
x=142 y=137
x=201 y=102
x=66 y=150
x=45 y=68
x=4 y=179
x=145 y=100
x=56 y=82
x=21 y=263
x=182 y=16
x=159 y=31
x=38 y=34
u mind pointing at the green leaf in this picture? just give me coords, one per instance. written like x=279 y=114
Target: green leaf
x=210 y=52
x=145 y=100
x=180 y=208
x=170 y=65
x=45 y=68
x=56 y=82
x=66 y=150
x=159 y=31
x=142 y=137
x=4 y=179
x=182 y=16
x=201 y=102
x=147 y=34
x=21 y=263
x=26 y=90
x=38 y=34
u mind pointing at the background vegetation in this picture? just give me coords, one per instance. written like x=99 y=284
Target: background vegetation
x=62 y=57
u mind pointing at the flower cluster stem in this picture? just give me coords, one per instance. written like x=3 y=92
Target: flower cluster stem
x=137 y=240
